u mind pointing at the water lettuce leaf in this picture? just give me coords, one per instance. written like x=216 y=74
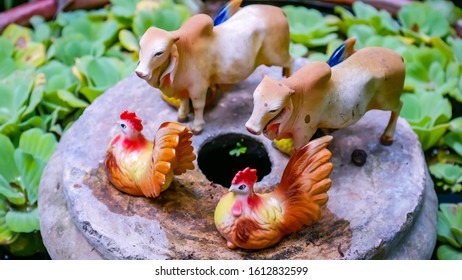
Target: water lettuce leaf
x=428 y=114
x=447 y=252
x=362 y=33
x=449 y=226
x=42 y=30
x=429 y=70
x=13 y=195
x=392 y=42
x=447 y=8
x=99 y=75
x=33 y=54
x=166 y=19
x=297 y=50
x=7 y=236
x=6 y=48
x=58 y=76
x=308 y=26
x=124 y=8
x=76 y=46
x=450 y=173
x=418 y=18
x=14 y=93
x=30 y=170
x=22 y=221
x=7 y=65
x=456 y=46
x=18 y=35
x=454 y=140
x=381 y=21
x=7 y=165
x=104 y=32
x=128 y=40
x=38 y=144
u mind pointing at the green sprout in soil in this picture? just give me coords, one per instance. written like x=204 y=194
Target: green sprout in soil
x=238 y=150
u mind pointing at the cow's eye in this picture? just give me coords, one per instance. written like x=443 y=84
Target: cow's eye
x=158 y=53
x=273 y=111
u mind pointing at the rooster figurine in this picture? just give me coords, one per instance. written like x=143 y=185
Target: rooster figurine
x=139 y=167
x=255 y=221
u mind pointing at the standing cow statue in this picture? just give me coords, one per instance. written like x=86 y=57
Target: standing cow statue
x=330 y=95
x=185 y=63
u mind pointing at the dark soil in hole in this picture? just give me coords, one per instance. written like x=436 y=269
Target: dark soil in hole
x=219 y=163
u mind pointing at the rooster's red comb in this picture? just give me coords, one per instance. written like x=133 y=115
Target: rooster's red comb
x=248 y=176
x=132 y=119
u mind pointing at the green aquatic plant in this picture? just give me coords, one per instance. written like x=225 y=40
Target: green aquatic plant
x=450 y=176
x=20 y=171
x=428 y=114
x=421 y=21
x=449 y=230
x=49 y=73
x=309 y=27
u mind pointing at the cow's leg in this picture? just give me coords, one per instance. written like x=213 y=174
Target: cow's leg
x=387 y=136
x=183 y=110
x=287 y=69
x=303 y=136
x=198 y=103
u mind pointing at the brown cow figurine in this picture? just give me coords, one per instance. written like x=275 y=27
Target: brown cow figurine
x=186 y=62
x=321 y=96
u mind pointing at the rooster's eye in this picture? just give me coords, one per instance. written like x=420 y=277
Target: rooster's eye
x=123 y=126
x=241 y=187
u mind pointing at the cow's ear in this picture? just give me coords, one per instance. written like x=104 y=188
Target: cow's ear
x=174 y=36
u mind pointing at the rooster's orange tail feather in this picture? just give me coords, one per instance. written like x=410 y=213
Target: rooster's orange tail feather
x=305 y=183
x=172 y=155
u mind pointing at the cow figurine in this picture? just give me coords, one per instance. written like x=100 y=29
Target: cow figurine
x=321 y=96
x=185 y=63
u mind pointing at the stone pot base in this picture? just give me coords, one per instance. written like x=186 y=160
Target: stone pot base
x=385 y=209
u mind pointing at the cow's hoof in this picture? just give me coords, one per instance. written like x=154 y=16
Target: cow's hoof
x=196 y=132
x=386 y=141
x=183 y=119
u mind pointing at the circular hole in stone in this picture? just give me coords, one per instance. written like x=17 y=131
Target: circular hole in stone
x=222 y=157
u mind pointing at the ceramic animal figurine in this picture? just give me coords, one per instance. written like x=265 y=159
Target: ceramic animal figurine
x=255 y=221
x=185 y=63
x=136 y=166
x=321 y=96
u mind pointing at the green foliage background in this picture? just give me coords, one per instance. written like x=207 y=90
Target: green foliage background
x=51 y=72
x=432 y=96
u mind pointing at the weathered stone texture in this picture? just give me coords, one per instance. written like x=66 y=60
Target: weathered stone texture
x=384 y=209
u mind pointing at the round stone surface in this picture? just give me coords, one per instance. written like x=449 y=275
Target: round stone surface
x=372 y=210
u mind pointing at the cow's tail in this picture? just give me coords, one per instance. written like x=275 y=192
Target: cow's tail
x=346 y=49
x=227 y=11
